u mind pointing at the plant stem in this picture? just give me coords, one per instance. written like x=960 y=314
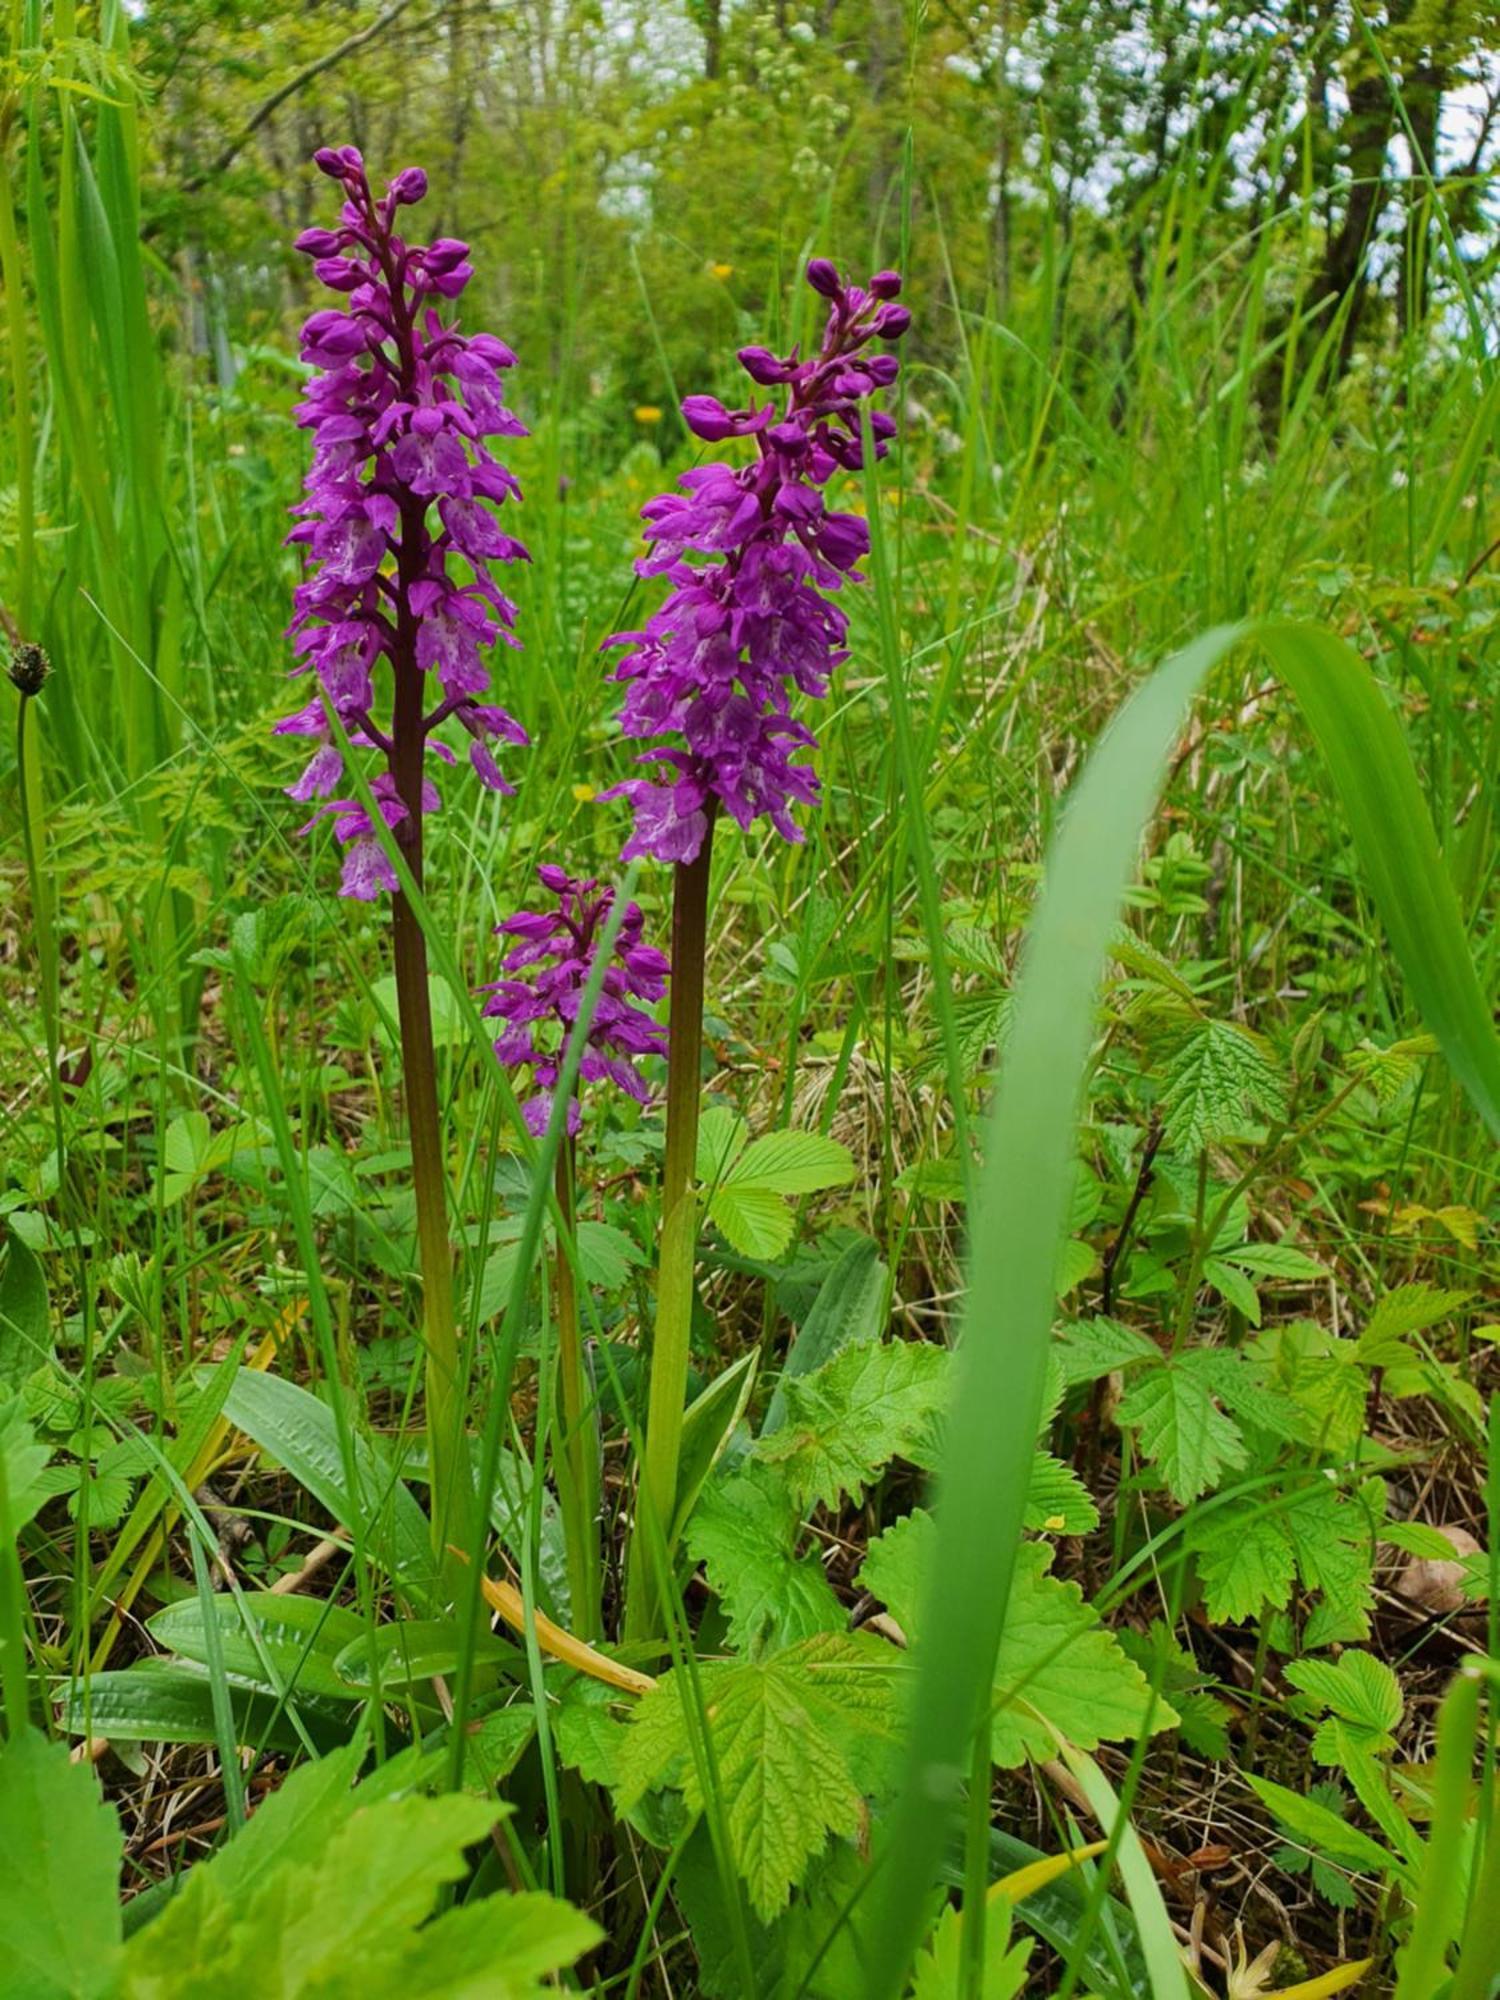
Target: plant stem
x=576 y=1462
x=679 y=1234
x=451 y=1482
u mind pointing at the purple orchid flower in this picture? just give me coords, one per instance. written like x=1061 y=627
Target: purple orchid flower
x=400 y=406
x=717 y=666
x=552 y=954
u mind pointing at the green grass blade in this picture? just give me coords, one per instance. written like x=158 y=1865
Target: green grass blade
x=1027 y=1175
x=1371 y=767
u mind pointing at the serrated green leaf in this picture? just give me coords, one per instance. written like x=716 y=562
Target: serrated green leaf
x=1406 y=1310
x=869 y=1405
x=791 y=1163
x=1058 y=1502
x=744 y=1532
x=1233 y=1285
x=939 y=1969
x=1058 y=1668
x=846 y=1312
x=1321 y=1829
x=1359 y=1692
x=1217 y=1073
x=60 y=1855
x=1276 y=1260
x=1180 y=1428
x=756 y=1221
x=1091 y=1348
x=796 y=1738
x=721 y=1139
x=606 y=1254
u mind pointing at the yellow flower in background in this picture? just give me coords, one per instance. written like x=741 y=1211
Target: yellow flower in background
x=583 y=793
x=647 y=413
x=722 y=271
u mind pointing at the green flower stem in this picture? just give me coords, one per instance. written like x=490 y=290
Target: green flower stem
x=451 y=1480
x=679 y=1235
x=577 y=1460
x=33 y=827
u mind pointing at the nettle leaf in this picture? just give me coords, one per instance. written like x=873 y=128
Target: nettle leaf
x=1390 y=1071
x=1216 y=1075
x=1091 y=1348
x=798 y=1740
x=1180 y=1428
x=1058 y=1670
x=1252 y=1549
x=1057 y=1501
x=1363 y=1701
x=1406 y=1310
x=60 y=1853
x=744 y=1532
x=844 y=1422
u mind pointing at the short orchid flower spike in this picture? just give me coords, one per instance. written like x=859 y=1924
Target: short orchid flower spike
x=552 y=953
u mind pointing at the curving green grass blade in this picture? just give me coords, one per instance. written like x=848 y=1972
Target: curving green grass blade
x=1027 y=1176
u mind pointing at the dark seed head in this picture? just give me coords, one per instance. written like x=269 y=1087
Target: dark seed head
x=29 y=668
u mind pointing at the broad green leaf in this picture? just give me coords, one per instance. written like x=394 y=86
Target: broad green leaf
x=744 y=1532
x=25 y=1321
x=413 y=1650
x=148 y=1703
x=26 y=1489
x=867 y=1406
x=1058 y=1668
x=60 y=1855
x=1251 y=1549
x=846 y=1312
x=791 y=1163
x=606 y=1254
x=796 y=1741
x=588 y=1727
x=1180 y=1428
x=300 y=1432
x=294 y=1639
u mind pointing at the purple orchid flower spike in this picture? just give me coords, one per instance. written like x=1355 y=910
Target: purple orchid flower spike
x=716 y=668
x=552 y=954
x=400 y=406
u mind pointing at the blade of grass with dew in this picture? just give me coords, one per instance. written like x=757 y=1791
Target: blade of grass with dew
x=1027 y=1175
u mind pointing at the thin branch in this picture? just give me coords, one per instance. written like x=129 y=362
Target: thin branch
x=303 y=77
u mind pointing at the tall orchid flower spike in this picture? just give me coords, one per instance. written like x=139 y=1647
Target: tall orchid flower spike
x=400 y=405
x=548 y=965
x=715 y=670
x=753 y=554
